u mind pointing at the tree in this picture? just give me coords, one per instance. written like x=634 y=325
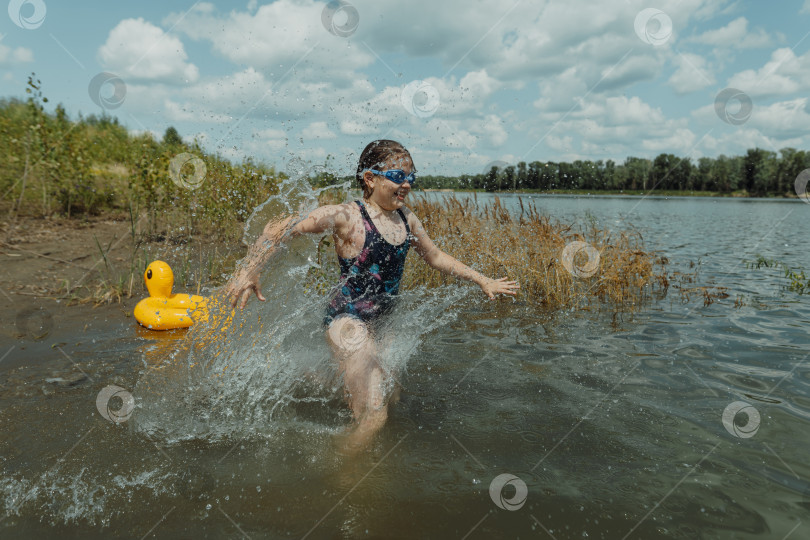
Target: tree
x=637 y=172
x=792 y=163
x=609 y=175
x=758 y=170
x=549 y=176
x=725 y=176
x=491 y=181
x=682 y=175
x=533 y=175
x=566 y=176
x=509 y=179
x=704 y=175
x=172 y=137
x=522 y=175
x=663 y=174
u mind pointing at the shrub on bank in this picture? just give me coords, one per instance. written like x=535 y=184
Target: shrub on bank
x=50 y=164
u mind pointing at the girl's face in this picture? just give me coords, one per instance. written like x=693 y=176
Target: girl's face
x=387 y=194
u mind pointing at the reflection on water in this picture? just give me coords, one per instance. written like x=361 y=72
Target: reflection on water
x=612 y=430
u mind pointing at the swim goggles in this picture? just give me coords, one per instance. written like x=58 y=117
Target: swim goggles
x=397 y=176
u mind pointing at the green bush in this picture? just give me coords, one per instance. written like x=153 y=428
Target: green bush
x=51 y=164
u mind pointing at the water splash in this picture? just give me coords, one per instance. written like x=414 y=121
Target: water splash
x=252 y=373
x=295 y=197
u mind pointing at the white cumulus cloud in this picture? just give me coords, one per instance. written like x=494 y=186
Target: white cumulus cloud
x=139 y=50
x=693 y=74
x=735 y=35
x=318 y=130
x=276 y=39
x=782 y=120
x=784 y=74
x=15 y=55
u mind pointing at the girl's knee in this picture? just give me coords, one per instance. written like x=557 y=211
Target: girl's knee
x=348 y=334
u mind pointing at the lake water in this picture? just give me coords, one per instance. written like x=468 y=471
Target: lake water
x=681 y=421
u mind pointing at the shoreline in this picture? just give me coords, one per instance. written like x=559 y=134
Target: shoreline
x=617 y=193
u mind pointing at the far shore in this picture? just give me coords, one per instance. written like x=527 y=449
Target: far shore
x=628 y=193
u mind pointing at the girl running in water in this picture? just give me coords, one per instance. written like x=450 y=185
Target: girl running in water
x=372 y=237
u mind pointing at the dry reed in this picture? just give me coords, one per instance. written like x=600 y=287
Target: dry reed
x=528 y=248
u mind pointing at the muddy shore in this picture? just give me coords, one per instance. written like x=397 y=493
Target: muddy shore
x=53 y=282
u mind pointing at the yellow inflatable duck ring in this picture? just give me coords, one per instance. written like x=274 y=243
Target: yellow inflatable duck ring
x=164 y=310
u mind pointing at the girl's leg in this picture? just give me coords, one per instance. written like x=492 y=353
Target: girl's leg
x=364 y=380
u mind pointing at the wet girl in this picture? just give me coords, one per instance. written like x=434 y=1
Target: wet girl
x=372 y=237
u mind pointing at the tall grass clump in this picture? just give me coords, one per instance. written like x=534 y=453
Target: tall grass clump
x=528 y=248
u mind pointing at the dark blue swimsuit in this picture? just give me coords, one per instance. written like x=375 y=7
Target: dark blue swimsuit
x=370 y=281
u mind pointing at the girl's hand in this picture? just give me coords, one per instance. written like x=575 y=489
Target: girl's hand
x=241 y=285
x=246 y=280
x=491 y=287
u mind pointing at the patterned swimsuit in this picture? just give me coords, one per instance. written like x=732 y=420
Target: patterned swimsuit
x=370 y=281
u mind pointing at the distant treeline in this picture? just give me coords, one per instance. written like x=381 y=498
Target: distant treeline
x=759 y=173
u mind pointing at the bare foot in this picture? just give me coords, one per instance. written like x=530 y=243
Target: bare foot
x=359 y=436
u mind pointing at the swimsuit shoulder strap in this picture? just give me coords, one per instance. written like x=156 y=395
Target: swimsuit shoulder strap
x=405 y=221
x=367 y=218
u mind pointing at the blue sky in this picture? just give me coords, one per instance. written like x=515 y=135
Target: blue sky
x=460 y=84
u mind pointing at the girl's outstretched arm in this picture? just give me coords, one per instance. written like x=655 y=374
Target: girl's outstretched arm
x=246 y=279
x=443 y=262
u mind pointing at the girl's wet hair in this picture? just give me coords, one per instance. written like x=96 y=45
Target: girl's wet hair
x=375 y=155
